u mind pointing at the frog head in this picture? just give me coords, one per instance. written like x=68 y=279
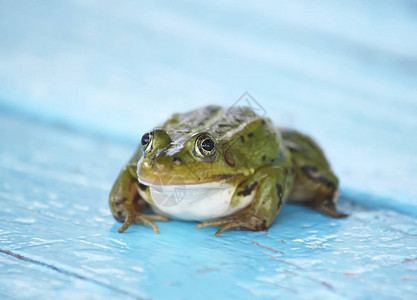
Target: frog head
x=208 y=145
x=186 y=158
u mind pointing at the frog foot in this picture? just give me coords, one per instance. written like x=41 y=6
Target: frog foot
x=328 y=207
x=139 y=218
x=330 y=210
x=247 y=222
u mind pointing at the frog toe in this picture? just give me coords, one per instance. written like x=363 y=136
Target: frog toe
x=145 y=219
x=244 y=223
x=332 y=212
x=126 y=224
x=220 y=222
x=329 y=209
x=235 y=225
x=156 y=217
x=224 y=224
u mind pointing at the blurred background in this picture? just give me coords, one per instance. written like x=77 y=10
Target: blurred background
x=344 y=72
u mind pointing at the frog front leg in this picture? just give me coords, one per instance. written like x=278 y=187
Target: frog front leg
x=125 y=202
x=271 y=187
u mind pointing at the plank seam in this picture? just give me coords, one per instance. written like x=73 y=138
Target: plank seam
x=69 y=273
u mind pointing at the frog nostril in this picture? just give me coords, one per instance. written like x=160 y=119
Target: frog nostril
x=177 y=160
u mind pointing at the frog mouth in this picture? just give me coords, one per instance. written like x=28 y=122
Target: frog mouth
x=172 y=185
x=216 y=180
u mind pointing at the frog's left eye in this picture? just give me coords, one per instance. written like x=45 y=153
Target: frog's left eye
x=205 y=145
x=146 y=141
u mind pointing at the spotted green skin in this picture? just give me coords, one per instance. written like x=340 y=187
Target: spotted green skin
x=255 y=157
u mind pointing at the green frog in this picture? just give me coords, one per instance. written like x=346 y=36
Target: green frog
x=224 y=167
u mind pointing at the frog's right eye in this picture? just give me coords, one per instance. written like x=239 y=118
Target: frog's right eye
x=205 y=145
x=146 y=141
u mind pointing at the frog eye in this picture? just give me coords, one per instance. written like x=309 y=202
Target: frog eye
x=146 y=141
x=205 y=145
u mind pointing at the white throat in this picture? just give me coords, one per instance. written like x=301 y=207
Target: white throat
x=199 y=202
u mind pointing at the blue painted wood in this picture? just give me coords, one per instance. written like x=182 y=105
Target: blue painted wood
x=79 y=82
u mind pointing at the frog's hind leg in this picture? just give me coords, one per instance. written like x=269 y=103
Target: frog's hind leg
x=315 y=184
x=316 y=190
x=327 y=205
